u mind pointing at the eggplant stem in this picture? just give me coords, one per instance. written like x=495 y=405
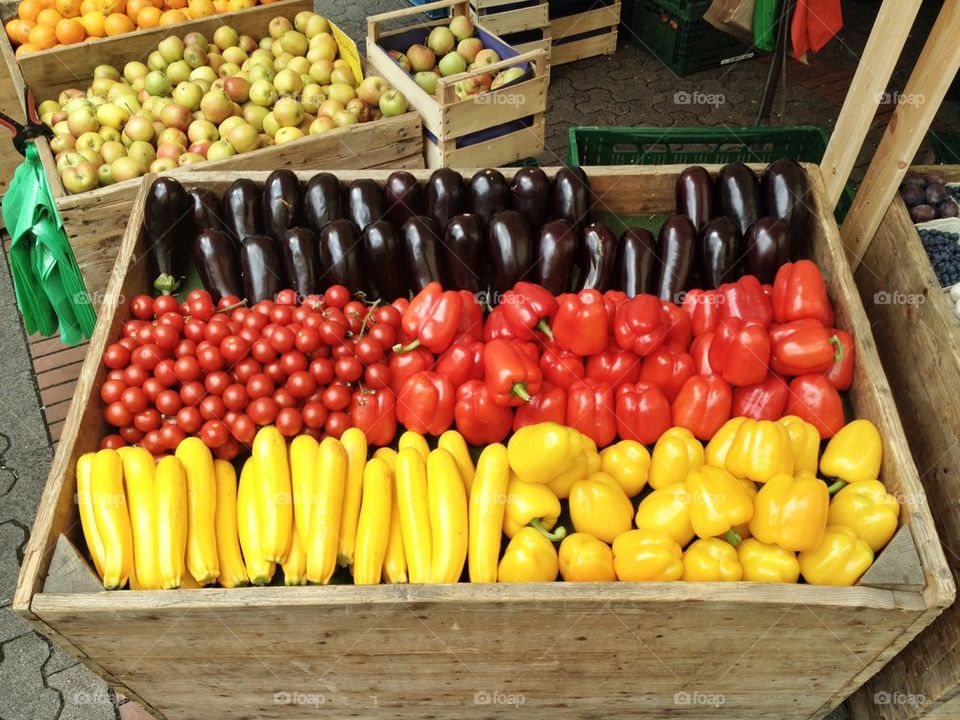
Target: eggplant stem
x=166 y=284
x=559 y=533
x=519 y=389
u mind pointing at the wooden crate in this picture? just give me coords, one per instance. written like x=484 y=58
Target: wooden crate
x=565 y=650
x=506 y=18
x=585 y=34
x=919 y=342
x=11 y=101
x=495 y=128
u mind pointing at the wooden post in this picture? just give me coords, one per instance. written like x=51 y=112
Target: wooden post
x=935 y=71
x=890 y=30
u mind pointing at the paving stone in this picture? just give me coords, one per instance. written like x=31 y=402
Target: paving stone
x=13 y=536
x=11 y=626
x=23 y=694
x=85 y=696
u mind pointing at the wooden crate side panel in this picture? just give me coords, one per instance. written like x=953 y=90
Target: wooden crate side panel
x=495 y=108
x=493 y=4
x=510 y=21
x=584 y=22
x=585 y=48
x=504 y=150
x=11 y=100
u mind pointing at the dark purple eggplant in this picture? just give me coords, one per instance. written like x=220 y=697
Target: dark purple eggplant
x=556 y=256
x=263 y=274
x=340 y=260
x=217 y=259
x=462 y=253
x=488 y=193
x=530 y=196
x=206 y=209
x=598 y=258
x=694 y=191
x=322 y=200
x=384 y=260
x=168 y=222
x=241 y=209
x=509 y=249
x=301 y=260
x=446 y=196
x=363 y=202
x=785 y=192
x=768 y=247
x=676 y=248
x=721 y=251
x=739 y=193
x=422 y=260
x=570 y=200
x=638 y=263
x=281 y=203
x=402 y=197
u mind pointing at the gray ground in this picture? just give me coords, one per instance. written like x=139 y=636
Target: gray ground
x=630 y=88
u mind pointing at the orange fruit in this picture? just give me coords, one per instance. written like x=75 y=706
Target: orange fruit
x=93 y=23
x=117 y=23
x=135 y=6
x=29 y=9
x=201 y=8
x=149 y=17
x=42 y=37
x=24 y=49
x=68 y=8
x=49 y=16
x=110 y=7
x=158 y=4
x=19 y=30
x=88 y=6
x=175 y=4
x=172 y=17
x=70 y=31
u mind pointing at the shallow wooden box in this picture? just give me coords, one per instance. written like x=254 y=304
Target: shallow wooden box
x=585 y=34
x=531 y=15
x=558 y=650
x=918 y=336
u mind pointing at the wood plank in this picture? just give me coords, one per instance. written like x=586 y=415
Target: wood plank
x=66 y=356
x=584 y=22
x=503 y=150
x=587 y=47
x=518 y=20
x=59 y=375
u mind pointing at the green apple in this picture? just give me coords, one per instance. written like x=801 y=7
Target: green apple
x=219 y=150
x=171 y=48
x=427 y=80
x=263 y=93
x=452 y=63
x=393 y=102
x=441 y=40
x=287 y=134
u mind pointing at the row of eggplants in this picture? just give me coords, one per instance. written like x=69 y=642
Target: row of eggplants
x=476 y=234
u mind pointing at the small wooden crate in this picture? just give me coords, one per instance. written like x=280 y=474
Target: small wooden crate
x=505 y=18
x=563 y=650
x=11 y=101
x=919 y=340
x=585 y=34
x=495 y=128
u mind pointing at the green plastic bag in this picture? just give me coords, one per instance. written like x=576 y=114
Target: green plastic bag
x=46 y=278
x=765 y=14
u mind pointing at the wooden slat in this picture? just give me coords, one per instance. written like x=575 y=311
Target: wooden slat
x=585 y=48
x=519 y=20
x=58 y=359
x=571 y=25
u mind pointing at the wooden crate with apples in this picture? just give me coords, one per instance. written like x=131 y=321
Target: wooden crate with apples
x=584 y=34
x=464 y=127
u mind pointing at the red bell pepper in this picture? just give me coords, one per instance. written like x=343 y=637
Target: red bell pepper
x=680 y=332
x=703 y=405
x=641 y=324
x=814 y=399
x=612 y=299
x=548 y=405
x=643 y=413
x=764 y=401
x=744 y=300
x=799 y=292
x=590 y=409
x=701 y=307
x=803 y=347
x=614 y=366
x=479 y=419
x=462 y=361
x=740 y=352
x=425 y=403
x=841 y=374
x=496 y=326
x=529 y=308
x=471 y=316
x=668 y=368
x=561 y=367
x=432 y=318
x=768 y=291
x=510 y=372
x=374 y=412
x=581 y=322
x=700 y=352
x=403 y=365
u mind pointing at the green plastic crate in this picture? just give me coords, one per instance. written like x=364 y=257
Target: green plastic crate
x=946 y=147
x=685 y=44
x=700 y=146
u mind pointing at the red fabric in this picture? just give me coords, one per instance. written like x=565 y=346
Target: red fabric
x=815 y=22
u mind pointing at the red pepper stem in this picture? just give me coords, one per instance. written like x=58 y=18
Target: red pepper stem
x=544 y=327
x=558 y=534
x=836 y=487
x=398 y=348
x=835 y=341
x=520 y=390
x=733 y=537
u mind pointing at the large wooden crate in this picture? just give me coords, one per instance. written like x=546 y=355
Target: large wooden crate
x=11 y=101
x=562 y=650
x=919 y=339
x=498 y=127
x=584 y=34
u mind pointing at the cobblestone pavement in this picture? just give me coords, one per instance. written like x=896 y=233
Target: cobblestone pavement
x=37 y=680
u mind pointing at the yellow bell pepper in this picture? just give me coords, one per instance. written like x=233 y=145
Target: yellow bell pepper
x=531 y=504
x=414 y=505
x=453 y=443
x=868 y=509
x=583 y=558
x=395 y=561
x=448 y=517
x=804 y=443
x=587 y=463
x=718 y=503
x=750 y=487
x=854 y=453
x=373 y=526
x=791 y=512
x=488 y=501
x=629 y=463
x=720 y=444
x=839 y=560
x=676 y=453
x=529 y=557
x=760 y=450
x=667 y=510
x=711 y=560
x=647 y=555
x=767 y=563
x=600 y=507
x=539 y=453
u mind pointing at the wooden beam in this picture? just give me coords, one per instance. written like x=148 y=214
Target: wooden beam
x=884 y=46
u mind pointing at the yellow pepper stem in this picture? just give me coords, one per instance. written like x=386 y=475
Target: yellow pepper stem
x=558 y=534
x=733 y=537
x=837 y=487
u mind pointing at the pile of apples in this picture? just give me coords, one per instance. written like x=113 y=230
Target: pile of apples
x=195 y=100
x=458 y=51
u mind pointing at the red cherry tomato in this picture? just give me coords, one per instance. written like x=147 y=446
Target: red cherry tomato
x=142 y=307
x=377 y=376
x=263 y=351
x=245 y=369
x=210 y=358
x=386 y=335
x=289 y=422
x=354 y=311
x=166 y=336
x=336 y=296
x=171 y=436
x=228 y=451
x=322 y=370
x=333 y=331
x=169 y=402
x=301 y=384
x=145 y=334
x=263 y=411
x=369 y=351
x=214 y=433
x=307 y=340
x=260 y=385
x=135 y=376
x=117 y=356
x=282 y=339
x=131 y=328
x=202 y=308
x=195 y=329
x=147 y=420
x=293 y=361
x=337 y=423
x=313 y=320
x=199 y=294
x=115 y=375
x=336 y=397
x=189 y=420
x=117 y=415
x=264 y=307
x=112 y=442
x=112 y=390
x=345 y=348
x=233 y=348
x=152 y=443
x=147 y=356
x=216 y=332
x=191 y=393
x=249 y=335
x=388 y=315
x=348 y=369
x=172 y=319
x=152 y=387
x=300 y=314
x=185 y=348
x=314 y=415
x=282 y=313
x=284 y=398
x=212 y=408
x=165 y=372
x=130 y=434
x=216 y=382
x=243 y=428
x=134 y=399
x=275 y=371
x=236 y=397
x=187 y=368
x=129 y=343
x=164 y=304
x=226 y=301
